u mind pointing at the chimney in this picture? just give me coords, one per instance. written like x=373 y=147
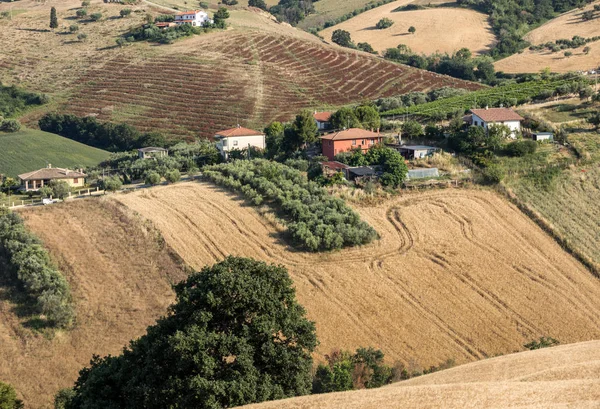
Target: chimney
x=49 y=166
x=487 y=107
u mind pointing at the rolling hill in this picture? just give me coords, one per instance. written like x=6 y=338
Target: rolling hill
x=442 y=30
x=120 y=274
x=559 y=377
x=255 y=72
x=31 y=149
x=563 y=27
x=456 y=274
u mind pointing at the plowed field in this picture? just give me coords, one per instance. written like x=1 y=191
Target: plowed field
x=456 y=274
x=561 y=377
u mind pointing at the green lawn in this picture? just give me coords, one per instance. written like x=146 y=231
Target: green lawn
x=31 y=149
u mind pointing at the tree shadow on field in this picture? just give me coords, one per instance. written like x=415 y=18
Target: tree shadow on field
x=35 y=30
x=402 y=34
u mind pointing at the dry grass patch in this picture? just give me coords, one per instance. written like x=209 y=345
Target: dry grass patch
x=456 y=274
x=438 y=29
x=120 y=275
x=553 y=378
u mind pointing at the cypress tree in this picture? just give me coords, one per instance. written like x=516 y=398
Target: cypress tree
x=53 y=18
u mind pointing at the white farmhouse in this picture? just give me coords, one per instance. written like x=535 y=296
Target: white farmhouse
x=237 y=139
x=194 y=17
x=497 y=116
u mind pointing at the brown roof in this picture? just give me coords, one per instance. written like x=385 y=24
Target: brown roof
x=335 y=165
x=497 y=114
x=352 y=133
x=51 y=173
x=239 y=131
x=322 y=116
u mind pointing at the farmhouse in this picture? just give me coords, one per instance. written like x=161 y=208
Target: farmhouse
x=497 y=116
x=238 y=139
x=152 y=152
x=349 y=139
x=194 y=17
x=416 y=151
x=38 y=178
x=323 y=120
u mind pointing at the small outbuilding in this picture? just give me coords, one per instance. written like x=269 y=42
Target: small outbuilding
x=542 y=136
x=323 y=120
x=416 y=151
x=360 y=173
x=332 y=167
x=423 y=173
x=152 y=152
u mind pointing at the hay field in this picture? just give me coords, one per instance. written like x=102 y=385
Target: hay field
x=563 y=27
x=560 y=377
x=457 y=274
x=120 y=276
x=438 y=29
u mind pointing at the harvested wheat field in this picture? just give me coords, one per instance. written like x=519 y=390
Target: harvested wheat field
x=120 y=275
x=563 y=27
x=456 y=275
x=560 y=377
x=442 y=30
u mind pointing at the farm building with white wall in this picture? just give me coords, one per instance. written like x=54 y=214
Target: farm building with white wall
x=237 y=139
x=487 y=117
x=194 y=17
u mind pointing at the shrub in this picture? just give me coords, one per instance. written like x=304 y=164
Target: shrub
x=63 y=398
x=73 y=28
x=82 y=37
x=81 y=13
x=30 y=265
x=493 y=174
x=236 y=335
x=173 y=176
x=521 y=148
x=8 y=398
x=96 y=16
x=544 y=342
x=60 y=188
x=10 y=125
x=111 y=183
x=125 y=12
x=152 y=178
x=85 y=3
x=384 y=23
x=258 y=3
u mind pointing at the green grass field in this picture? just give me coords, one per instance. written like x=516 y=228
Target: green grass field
x=31 y=149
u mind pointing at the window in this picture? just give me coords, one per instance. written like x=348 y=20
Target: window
x=235 y=143
x=76 y=180
x=364 y=142
x=224 y=143
x=354 y=142
x=371 y=141
x=330 y=143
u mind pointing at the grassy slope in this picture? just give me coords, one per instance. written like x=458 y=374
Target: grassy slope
x=30 y=149
x=559 y=377
x=120 y=274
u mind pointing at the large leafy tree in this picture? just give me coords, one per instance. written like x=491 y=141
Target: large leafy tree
x=391 y=163
x=345 y=118
x=305 y=128
x=368 y=117
x=342 y=37
x=235 y=335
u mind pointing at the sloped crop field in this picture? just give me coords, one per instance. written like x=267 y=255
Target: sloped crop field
x=120 y=275
x=249 y=78
x=561 y=377
x=456 y=274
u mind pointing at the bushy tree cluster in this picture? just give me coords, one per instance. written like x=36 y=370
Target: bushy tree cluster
x=9 y=125
x=8 y=397
x=56 y=188
x=510 y=19
x=363 y=116
x=563 y=44
x=390 y=164
x=285 y=140
x=345 y=371
x=416 y=98
x=315 y=219
x=292 y=11
x=183 y=157
x=236 y=335
x=103 y=135
x=30 y=266
x=14 y=100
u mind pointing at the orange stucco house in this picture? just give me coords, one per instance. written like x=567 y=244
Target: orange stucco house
x=349 y=139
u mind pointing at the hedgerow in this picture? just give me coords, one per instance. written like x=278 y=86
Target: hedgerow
x=315 y=220
x=30 y=265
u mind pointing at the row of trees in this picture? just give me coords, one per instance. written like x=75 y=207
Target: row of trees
x=315 y=219
x=30 y=267
x=108 y=136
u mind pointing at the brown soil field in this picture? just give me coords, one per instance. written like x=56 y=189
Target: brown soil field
x=560 y=377
x=564 y=27
x=438 y=29
x=120 y=275
x=457 y=274
x=254 y=72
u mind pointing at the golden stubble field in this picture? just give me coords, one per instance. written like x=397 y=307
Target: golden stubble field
x=120 y=276
x=457 y=274
x=563 y=27
x=559 y=377
x=442 y=30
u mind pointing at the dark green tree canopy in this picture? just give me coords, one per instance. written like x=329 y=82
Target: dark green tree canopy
x=342 y=37
x=53 y=18
x=235 y=335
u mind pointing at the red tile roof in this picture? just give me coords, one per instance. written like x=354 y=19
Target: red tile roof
x=497 y=114
x=352 y=133
x=239 y=131
x=322 y=116
x=335 y=165
x=185 y=13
